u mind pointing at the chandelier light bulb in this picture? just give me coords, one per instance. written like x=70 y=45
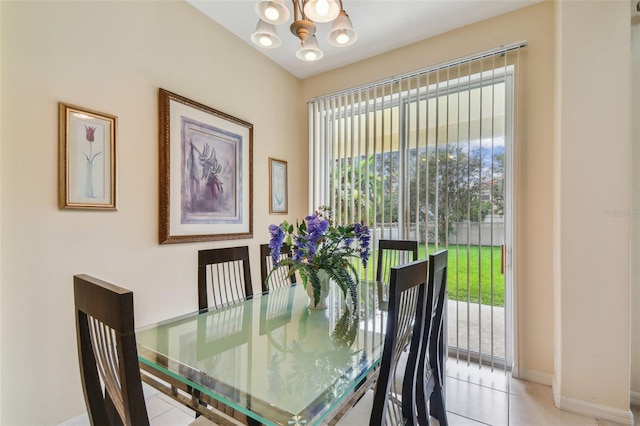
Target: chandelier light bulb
x=310 y=50
x=271 y=12
x=342 y=38
x=322 y=7
x=321 y=10
x=265 y=40
x=342 y=33
x=265 y=35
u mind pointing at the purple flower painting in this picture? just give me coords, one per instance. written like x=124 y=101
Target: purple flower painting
x=211 y=174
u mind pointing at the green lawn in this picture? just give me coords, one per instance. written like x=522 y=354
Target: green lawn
x=470 y=277
x=469 y=274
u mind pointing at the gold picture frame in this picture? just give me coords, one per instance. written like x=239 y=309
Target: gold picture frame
x=87 y=158
x=206 y=173
x=278 y=187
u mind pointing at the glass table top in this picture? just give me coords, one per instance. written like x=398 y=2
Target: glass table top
x=270 y=356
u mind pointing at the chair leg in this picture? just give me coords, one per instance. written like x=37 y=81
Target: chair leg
x=437 y=399
x=437 y=405
x=112 y=413
x=423 y=391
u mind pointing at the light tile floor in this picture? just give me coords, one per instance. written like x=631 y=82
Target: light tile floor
x=481 y=397
x=474 y=397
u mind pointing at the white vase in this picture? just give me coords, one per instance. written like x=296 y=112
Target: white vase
x=88 y=187
x=323 y=277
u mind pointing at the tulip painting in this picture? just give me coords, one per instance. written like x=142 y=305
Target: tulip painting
x=90 y=136
x=88 y=162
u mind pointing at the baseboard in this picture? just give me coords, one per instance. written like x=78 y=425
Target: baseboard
x=532 y=376
x=554 y=392
x=600 y=412
x=635 y=398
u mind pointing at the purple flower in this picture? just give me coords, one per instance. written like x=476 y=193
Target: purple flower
x=362 y=235
x=312 y=248
x=316 y=226
x=275 y=244
x=298 y=249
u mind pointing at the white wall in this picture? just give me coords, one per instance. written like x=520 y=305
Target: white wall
x=592 y=318
x=635 y=208
x=113 y=57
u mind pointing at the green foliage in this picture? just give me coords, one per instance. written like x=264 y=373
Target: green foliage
x=448 y=184
x=453 y=179
x=356 y=187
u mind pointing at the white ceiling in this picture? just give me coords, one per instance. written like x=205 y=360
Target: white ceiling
x=382 y=25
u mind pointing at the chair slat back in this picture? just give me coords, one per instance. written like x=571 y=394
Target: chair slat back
x=224 y=276
x=279 y=277
x=430 y=385
x=393 y=253
x=103 y=340
x=406 y=303
x=107 y=353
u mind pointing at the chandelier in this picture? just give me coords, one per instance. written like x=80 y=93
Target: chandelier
x=306 y=13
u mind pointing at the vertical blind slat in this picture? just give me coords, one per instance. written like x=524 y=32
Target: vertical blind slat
x=492 y=209
x=468 y=216
x=479 y=210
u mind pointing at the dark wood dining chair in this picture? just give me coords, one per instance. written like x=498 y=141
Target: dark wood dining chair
x=390 y=404
x=279 y=277
x=430 y=389
x=224 y=276
x=393 y=253
x=108 y=354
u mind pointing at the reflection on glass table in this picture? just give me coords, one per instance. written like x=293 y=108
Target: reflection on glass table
x=269 y=357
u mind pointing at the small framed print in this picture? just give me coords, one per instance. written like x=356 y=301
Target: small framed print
x=87 y=158
x=278 y=186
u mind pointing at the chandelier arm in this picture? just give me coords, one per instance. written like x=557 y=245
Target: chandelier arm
x=298 y=8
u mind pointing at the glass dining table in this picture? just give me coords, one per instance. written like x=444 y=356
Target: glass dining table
x=270 y=357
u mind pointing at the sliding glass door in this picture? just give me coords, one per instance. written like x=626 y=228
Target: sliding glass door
x=428 y=158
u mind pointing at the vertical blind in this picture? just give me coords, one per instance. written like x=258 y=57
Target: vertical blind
x=422 y=156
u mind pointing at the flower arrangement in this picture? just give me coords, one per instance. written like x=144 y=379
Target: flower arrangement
x=319 y=245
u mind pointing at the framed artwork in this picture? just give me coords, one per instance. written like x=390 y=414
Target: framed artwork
x=87 y=158
x=206 y=173
x=277 y=186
